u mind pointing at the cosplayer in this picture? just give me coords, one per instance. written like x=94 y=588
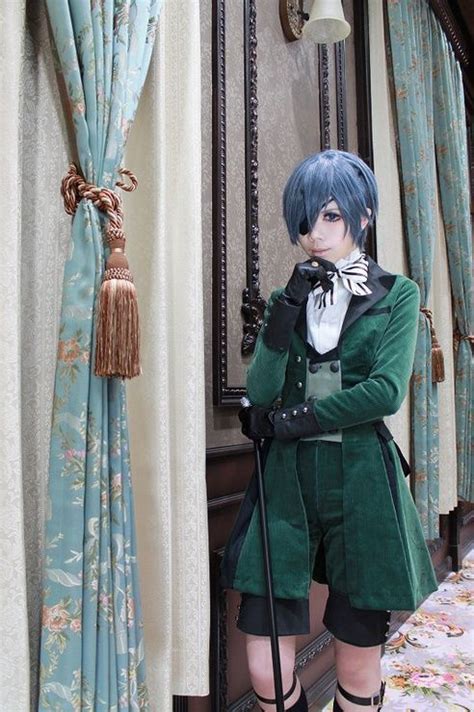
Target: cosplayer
x=333 y=358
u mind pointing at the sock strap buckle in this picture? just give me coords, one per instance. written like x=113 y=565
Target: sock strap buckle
x=365 y=701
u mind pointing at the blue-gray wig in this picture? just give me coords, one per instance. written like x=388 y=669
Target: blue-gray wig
x=322 y=177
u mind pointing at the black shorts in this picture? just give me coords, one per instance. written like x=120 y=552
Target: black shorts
x=350 y=625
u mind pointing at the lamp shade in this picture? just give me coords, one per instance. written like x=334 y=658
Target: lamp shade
x=326 y=22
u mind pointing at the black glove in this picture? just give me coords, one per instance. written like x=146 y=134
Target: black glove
x=304 y=278
x=299 y=421
x=257 y=422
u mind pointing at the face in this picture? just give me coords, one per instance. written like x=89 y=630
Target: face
x=329 y=238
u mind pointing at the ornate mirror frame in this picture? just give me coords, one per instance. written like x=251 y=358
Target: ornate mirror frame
x=253 y=305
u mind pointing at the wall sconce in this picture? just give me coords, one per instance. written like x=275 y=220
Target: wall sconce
x=325 y=23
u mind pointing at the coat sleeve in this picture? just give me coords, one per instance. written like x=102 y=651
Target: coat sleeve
x=383 y=392
x=266 y=373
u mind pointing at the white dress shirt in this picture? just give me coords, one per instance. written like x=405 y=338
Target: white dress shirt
x=324 y=325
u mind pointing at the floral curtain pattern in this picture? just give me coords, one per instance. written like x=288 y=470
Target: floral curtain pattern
x=410 y=45
x=453 y=172
x=92 y=652
x=432 y=144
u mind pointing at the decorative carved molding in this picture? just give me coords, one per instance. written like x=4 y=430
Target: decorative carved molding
x=253 y=305
x=324 y=106
x=453 y=32
x=363 y=100
x=340 y=55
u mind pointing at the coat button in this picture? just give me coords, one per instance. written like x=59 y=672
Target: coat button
x=298 y=359
x=299 y=384
x=283 y=416
x=294 y=412
x=313 y=367
x=334 y=367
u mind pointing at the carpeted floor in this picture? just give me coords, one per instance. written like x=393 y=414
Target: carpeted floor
x=429 y=663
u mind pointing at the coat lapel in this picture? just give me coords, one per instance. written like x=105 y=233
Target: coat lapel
x=378 y=280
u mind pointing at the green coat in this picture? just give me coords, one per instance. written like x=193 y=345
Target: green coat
x=387 y=562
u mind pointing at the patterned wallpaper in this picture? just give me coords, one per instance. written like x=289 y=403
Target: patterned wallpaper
x=288 y=130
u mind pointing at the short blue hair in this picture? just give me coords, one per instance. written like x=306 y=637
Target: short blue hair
x=330 y=175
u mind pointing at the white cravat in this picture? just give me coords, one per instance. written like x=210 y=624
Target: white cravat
x=324 y=325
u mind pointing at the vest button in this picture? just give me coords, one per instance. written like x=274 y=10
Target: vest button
x=314 y=367
x=299 y=384
x=298 y=359
x=334 y=367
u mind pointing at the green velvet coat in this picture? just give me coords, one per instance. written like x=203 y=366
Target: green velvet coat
x=388 y=566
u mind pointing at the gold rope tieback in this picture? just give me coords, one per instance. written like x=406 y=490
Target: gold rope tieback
x=457 y=336
x=437 y=358
x=117 y=350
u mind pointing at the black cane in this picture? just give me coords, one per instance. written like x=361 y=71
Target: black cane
x=280 y=705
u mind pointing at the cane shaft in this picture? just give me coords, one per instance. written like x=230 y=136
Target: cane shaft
x=280 y=705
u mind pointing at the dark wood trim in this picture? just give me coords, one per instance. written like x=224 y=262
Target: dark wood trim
x=453 y=32
x=253 y=305
x=340 y=58
x=363 y=93
x=218 y=651
x=214 y=453
x=324 y=104
x=217 y=503
x=180 y=704
x=219 y=201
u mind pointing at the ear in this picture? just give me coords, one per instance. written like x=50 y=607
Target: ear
x=364 y=221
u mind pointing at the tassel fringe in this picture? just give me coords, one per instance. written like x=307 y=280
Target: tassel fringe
x=437 y=357
x=117 y=351
x=118 y=332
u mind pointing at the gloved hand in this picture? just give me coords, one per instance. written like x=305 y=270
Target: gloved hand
x=304 y=278
x=257 y=422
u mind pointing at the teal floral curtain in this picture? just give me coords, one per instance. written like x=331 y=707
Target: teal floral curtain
x=92 y=652
x=410 y=47
x=453 y=172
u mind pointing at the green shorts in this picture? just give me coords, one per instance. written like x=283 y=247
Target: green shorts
x=320 y=474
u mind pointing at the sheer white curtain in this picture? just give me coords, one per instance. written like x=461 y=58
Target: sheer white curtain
x=166 y=404
x=35 y=236
x=166 y=413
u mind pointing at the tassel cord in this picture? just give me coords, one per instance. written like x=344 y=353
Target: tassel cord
x=437 y=358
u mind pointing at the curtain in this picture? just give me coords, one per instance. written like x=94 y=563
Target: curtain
x=92 y=653
x=35 y=242
x=410 y=44
x=166 y=405
x=391 y=252
x=14 y=652
x=452 y=161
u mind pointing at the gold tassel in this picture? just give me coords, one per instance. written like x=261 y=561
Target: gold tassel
x=118 y=332
x=437 y=357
